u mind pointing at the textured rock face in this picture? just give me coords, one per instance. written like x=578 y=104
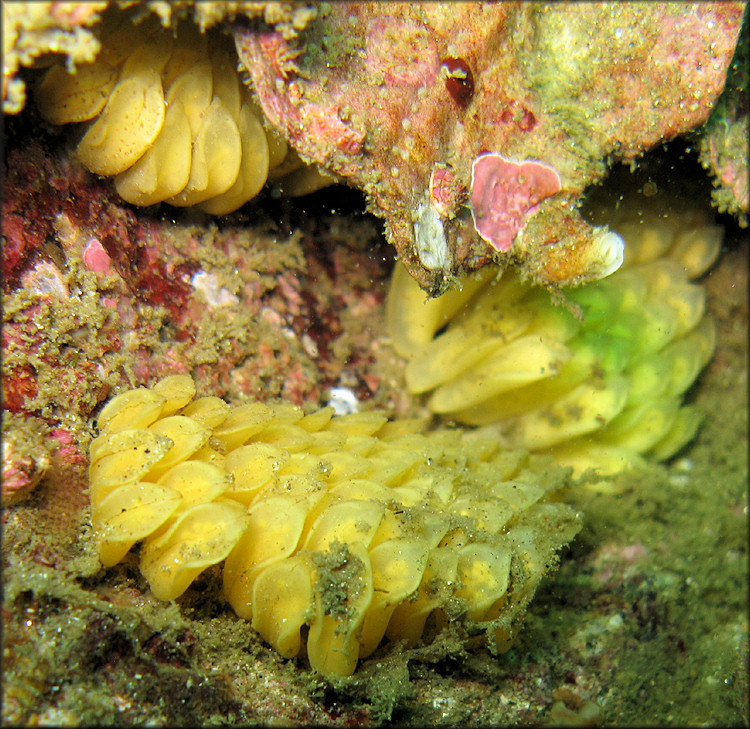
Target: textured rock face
x=401 y=100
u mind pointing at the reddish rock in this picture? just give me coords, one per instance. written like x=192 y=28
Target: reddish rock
x=383 y=94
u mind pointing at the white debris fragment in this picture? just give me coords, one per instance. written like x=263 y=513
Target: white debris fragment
x=343 y=401
x=429 y=236
x=214 y=294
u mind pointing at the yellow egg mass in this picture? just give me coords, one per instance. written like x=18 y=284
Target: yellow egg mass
x=168 y=117
x=596 y=382
x=358 y=527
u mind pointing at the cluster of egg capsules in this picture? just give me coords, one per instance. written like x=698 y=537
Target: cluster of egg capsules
x=354 y=525
x=168 y=117
x=597 y=385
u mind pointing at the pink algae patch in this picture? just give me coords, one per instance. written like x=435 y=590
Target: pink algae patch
x=505 y=193
x=95 y=258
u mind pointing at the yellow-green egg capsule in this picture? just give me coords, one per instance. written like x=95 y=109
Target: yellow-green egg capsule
x=360 y=445
x=640 y=427
x=285 y=412
x=696 y=248
x=454 y=352
x=545 y=369
x=414 y=318
x=682 y=431
x=524 y=360
x=397 y=428
x=583 y=455
x=646 y=240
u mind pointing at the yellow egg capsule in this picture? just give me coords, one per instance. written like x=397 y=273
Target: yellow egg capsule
x=409 y=617
x=177 y=391
x=130 y=513
x=164 y=168
x=397 y=568
x=133 y=409
x=283 y=601
x=273 y=533
x=197 y=482
x=484 y=574
x=64 y=97
x=129 y=124
x=252 y=467
x=187 y=436
x=242 y=423
x=201 y=537
x=211 y=411
x=333 y=640
x=124 y=457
